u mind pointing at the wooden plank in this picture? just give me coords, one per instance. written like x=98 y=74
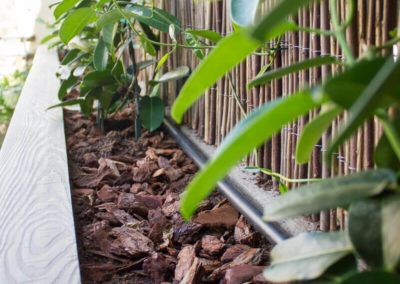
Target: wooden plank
x=37 y=235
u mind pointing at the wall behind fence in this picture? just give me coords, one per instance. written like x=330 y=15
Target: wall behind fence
x=228 y=101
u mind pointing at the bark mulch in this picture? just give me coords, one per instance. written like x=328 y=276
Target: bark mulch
x=126 y=204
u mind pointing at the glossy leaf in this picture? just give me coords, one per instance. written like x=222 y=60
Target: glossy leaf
x=109 y=32
x=233 y=49
x=67 y=103
x=193 y=42
x=144 y=64
x=176 y=74
x=384 y=155
x=154 y=17
x=251 y=132
x=329 y=193
x=243 y=12
x=75 y=22
x=65 y=86
x=374 y=227
x=151 y=112
x=72 y=55
x=100 y=56
x=307 y=256
x=345 y=88
x=276 y=20
x=312 y=133
x=293 y=68
x=63 y=7
x=98 y=78
x=114 y=16
x=211 y=35
x=371 y=98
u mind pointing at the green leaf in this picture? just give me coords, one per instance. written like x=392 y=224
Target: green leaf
x=374 y=227
x=276 y=19
x=109 y=32
x=307 y=256
x=65 y=86
x=48 y=37
x=151 y=112
x=176 y=74
x=100 y=56
x=251 y=132
x=162 y=60
x=293 y=68
x=373 y=277
x=106 y=96
x=232 y=49
x=207 y=34
x=193 y=42
x=67 y=103
x=243 y=12
x=384 y=155
x=312 y=133
x=345 y=88
x=371 y=98
x=97 y=78
x=72 y=55
x=63 y=7
x=144 y=64
x=75 y=22
x=329 y=193
x=154 y=17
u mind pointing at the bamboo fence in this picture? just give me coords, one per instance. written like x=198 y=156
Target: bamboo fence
x=216 y=113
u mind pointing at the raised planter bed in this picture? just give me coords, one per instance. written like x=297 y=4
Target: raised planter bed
x=37 y=236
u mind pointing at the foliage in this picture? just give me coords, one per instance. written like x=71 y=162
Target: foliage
x=364 y=87
x=10 y=89
x=103 y=43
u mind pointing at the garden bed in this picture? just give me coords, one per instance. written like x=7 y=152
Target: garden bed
x=126 y=200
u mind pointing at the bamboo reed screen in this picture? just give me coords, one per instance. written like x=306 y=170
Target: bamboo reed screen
x=228 y=101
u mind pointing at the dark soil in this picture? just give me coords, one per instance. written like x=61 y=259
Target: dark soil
x=126 y=200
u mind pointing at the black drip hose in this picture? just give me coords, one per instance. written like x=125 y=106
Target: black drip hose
x=270 y=230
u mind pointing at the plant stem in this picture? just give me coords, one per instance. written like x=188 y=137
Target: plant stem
x=390 y=132
x=339 y=30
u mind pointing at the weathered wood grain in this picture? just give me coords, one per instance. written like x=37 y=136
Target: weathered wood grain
x=37 y=235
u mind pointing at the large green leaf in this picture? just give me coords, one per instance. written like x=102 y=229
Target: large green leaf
x=207 y=34
x=346 y=87
x=276 y=18
x=384 y=82
x=372 y=277
x=75 y=22
x=313 y=131
x=252 y=131
x=229 y=52
x=109 y=32
x=243 y=12
x=98 y=78
x=63 y=7
x=100 y=56
x=307 y=256
x=151 y=112
x=329 y=193
x=65 y=86
x=374 y=227
x=279 y=73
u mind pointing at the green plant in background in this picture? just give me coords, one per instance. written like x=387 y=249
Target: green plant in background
x=365 y=87
x=104 y=40
x=10 y=89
